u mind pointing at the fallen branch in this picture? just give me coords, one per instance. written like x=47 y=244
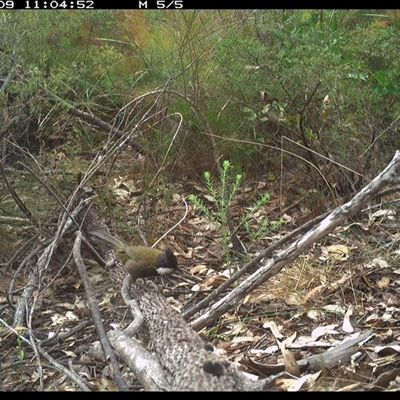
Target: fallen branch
x=389 y=176
x=95 y=312
x=188 y=361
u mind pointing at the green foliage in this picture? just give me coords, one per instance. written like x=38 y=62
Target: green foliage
x=21 y=355
x=222 y=61
x=222 y=197
x=264 y=227
x=67 y=54
x=384 y=85
x=290 y=54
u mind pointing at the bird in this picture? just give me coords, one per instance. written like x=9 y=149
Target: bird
x=139 y=261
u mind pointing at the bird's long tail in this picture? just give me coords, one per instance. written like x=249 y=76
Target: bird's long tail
x=107 y=239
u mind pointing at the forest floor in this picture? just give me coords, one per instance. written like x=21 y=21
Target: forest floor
x=344 y=286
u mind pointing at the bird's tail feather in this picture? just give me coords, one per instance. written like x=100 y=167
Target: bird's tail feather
x=106 y=238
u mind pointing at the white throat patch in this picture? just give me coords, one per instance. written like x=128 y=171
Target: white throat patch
x=164 y=271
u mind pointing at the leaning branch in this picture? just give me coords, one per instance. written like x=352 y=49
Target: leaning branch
x=389 y=176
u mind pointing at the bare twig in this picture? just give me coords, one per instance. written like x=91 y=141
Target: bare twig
x=74 y=377
x=21 y=250
x=51 y=191
x=177 y=224
x=94 y=309
x=301 y=123
x=21 y=205
x=168 y=150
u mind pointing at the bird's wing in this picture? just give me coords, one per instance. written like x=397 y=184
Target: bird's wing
x=130 y=252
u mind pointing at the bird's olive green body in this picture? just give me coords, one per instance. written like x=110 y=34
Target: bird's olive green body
x=139 y=261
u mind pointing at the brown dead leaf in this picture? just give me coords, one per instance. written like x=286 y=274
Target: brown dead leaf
x=258 y=297
x=77 y=285
x=384 y=282
x=337 y=252
x=313 y=293
x=241 y=339
x=291 y=366
x=199 y=268
x=213 y=281
x=378 y=263
x=308 y=380
x=274 y=329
